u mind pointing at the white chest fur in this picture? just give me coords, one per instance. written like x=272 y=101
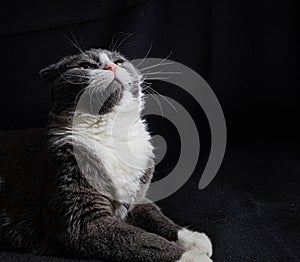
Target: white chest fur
x=123 y=145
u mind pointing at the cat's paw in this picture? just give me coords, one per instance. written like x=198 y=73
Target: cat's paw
x=193 y=256
x=190 y=240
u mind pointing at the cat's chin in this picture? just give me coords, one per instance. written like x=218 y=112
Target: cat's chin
x=121 y=84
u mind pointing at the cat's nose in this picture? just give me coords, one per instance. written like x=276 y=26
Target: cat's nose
x=112 y=67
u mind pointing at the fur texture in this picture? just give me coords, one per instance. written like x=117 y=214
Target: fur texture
x=194 y=240
x=89 y=199
x=194 y=256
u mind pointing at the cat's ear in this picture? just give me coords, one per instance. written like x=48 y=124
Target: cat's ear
x=50 y=73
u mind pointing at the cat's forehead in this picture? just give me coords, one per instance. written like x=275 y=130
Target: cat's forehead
x=101 y=55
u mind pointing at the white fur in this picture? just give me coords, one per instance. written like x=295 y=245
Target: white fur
x=193 y=256
x=119 y=138
x=122 y=144
x=104 y=59
x=199 y=242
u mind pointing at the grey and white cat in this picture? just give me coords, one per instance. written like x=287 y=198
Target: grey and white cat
x=92 y=204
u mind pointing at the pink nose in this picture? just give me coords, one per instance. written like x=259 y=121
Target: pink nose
x=111 y=67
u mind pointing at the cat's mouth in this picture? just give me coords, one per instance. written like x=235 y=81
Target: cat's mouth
x=122 y=78
x=118 y=81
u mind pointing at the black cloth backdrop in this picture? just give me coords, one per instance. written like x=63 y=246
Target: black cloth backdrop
x=246 y=50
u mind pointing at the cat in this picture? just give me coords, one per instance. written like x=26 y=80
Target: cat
x=90 y=202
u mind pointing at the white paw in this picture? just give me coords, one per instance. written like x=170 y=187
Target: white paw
x=190 y=240
x=194 y=256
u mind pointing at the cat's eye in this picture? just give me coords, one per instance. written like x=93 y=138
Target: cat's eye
x=119 y=62
x=86 y=65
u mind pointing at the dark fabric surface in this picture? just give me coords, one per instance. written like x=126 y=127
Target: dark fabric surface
x=246 y=50
x=44 y=15
x=250 y=210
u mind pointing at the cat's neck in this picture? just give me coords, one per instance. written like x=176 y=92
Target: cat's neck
x=122 y=116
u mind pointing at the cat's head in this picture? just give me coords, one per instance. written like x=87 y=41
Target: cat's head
x=104 y=74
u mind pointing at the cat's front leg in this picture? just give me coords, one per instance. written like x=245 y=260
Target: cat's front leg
x=190 y=240
x=193 y=256
x=149 y=217
x=85 y=227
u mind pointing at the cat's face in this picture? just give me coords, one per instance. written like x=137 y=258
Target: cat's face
x=100 y=72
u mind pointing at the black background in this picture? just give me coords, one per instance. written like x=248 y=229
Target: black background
x=246 y=50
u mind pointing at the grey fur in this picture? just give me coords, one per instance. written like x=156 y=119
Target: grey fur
x=69 y=215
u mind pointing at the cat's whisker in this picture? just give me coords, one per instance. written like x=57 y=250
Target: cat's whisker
x=77 y=83
x=157 y=78
x=99 y=100
x=76 y=98
x=113 y=42
x=120 y=44
x=93 y=89
x=76 y=75
x=156 y=65
x=129 y=44
x=66 y=74
x=106 y=94
x=161 y=62
x=162 y=73
x=147 y=83
x=98 y=97
x=170 y=103
x=74 y=83
x=118 y=37
x=77 y=43
x=74 y=44
x=148 y=52
x=157 y=101
x=163 y=97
